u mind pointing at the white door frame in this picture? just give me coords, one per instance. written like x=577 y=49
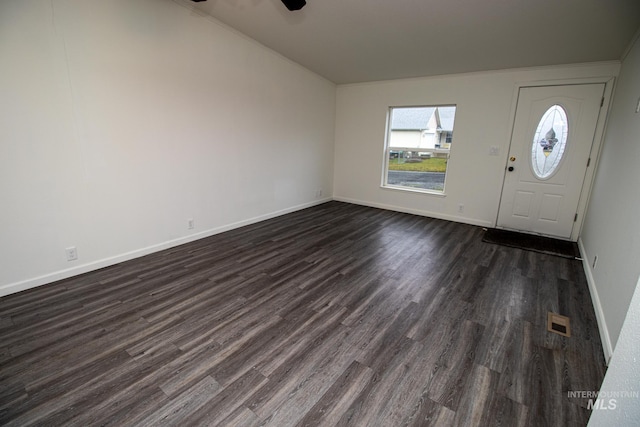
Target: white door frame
x=598 y=137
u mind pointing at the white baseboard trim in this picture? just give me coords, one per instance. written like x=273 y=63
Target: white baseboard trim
x=438 y=215
x=12 y=288
x=607 y=348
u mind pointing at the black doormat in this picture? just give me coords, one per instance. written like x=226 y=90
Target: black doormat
x=529 y=242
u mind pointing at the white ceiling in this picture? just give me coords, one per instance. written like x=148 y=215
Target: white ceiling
x=349 y=41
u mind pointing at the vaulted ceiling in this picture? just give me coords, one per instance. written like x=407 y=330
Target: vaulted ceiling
x=350 y=41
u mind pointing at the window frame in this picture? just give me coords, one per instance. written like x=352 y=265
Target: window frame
x=387 y=149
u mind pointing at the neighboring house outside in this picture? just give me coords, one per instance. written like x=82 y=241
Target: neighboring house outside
x=446 y=116
x=422 y=131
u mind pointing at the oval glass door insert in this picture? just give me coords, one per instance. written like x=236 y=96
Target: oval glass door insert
x=549 y=142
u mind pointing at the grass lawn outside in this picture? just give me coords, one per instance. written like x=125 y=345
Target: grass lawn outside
x=427 y=165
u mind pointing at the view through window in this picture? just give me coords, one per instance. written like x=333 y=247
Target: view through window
x=418 y=146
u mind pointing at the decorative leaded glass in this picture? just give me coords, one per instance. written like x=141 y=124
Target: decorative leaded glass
x=549 y=142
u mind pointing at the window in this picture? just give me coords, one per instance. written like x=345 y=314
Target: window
x=449 y=137
x=549 y=142
x=418 y=143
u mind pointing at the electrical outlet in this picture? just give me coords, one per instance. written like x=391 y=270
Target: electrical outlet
x=494 y=150
x=460 y=208
x=320 y=193
x=72 y=253
x=190 y=223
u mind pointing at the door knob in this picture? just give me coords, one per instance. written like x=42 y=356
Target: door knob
x=512 y=158
x=510 y=169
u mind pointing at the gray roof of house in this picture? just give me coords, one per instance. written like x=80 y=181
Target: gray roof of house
x=447 y=115
x=411 y=118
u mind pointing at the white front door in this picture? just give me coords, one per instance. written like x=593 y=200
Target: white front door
x=550 y=146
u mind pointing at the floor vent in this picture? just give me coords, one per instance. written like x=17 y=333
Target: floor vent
x=558 y=324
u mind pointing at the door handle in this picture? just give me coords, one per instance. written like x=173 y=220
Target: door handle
x=510 y=169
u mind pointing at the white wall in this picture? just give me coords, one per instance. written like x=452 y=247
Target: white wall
x=120 y=119
x=485 y=104
x=622 y=380
x=612 y=225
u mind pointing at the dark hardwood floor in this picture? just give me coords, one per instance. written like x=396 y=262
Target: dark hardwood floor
x=334 y=315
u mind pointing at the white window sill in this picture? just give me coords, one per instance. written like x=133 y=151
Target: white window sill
x=414 y=190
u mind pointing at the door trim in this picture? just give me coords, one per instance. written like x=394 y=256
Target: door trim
x=596 y=146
